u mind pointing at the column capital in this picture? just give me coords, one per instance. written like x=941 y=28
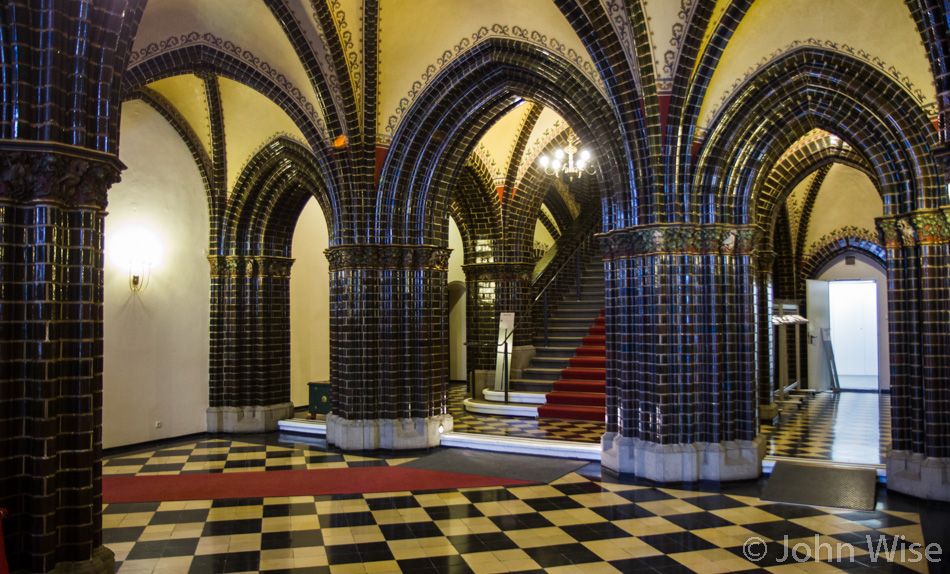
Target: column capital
x=678 y=238
x=921 y=227
x=387 y=256
x=250 y=266
x=57 y=173
x=499 y=271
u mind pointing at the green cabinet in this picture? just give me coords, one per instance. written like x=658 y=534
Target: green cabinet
x=319 y=398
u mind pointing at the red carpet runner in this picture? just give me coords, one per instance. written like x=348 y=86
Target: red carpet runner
x=288 y=483
x=580 y=394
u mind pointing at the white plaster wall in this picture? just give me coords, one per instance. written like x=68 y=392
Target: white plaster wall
x=157 y=341
x=861 y=269
x=846 y=198
x=309 y=304
x=456 y=302
x=542 y=234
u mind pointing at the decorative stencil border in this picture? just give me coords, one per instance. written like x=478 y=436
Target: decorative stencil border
x=494 y=169
x=670 y=57
x=929 y=105
x=207 y=39
x=354 y=54
x=483 y=33
x=850 y=234
x=321 y=53
x=620 y=19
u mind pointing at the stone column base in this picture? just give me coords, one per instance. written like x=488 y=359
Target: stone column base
x=691 y=462
x=768 y=412
x=918 y=475
x=481 y=380
x=247 y=419
x=520 y=359
x=387 y=434
x=102 y=561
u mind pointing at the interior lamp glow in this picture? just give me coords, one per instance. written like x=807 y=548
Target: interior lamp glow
x=570 y=168
x=138 y=248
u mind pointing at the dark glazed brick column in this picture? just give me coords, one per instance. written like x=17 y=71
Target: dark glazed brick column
x=681 y=376
x=765 y=361
x=51 y=275
x=388 y=346
x=918 y=260
x=492 y=289
x=250 y=343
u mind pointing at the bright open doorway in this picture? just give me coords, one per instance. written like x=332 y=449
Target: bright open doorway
x=854 y=333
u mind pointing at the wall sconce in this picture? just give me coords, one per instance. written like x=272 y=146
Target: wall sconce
x=135 y=248
x=139 y=272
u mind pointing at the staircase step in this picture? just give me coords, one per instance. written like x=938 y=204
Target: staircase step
x=580 y=331
x=550 y=362
x=590 y=351
x=576 y=399
x=584 y=374
x=586 y=313
x=572 y=413
x=588 y=362
x=530 y=386
x=558 y=341
x=559 y=352
x=533 y=374
x=575 y=386
x=595 y=340
x=570 y=322
x=598 y=330
x=600 y=320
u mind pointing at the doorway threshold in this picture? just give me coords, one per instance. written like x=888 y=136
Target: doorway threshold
x=769 y=463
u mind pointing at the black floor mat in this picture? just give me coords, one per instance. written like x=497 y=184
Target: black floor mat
x=821 y=486
x=502 y=465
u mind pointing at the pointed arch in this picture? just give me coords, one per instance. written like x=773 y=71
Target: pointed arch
x=460 y=104
x=814 y=88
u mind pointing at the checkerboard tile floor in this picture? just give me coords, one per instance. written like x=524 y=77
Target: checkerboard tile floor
x=464 y=421
x=844 y=427
x=576 y=524
x=840 y=427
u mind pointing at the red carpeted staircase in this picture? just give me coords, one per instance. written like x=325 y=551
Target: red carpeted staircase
x=580 y=392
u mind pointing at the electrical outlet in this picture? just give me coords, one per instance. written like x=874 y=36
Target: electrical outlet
x=158 y=424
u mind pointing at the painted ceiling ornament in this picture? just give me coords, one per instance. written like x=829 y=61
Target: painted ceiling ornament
x=929 y=107
x=208 y=39
x=579 y=61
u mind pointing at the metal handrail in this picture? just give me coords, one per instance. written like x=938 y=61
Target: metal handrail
x=543 y=296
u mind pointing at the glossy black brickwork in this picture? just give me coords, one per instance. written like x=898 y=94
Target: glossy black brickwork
x=687 y=220
x=51 y=271
x=681 y=350
x=388 y=331
x=62 y=64
x=918 y=247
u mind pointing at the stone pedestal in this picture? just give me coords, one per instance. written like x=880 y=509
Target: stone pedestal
x=918 y=475
x=693 y=462
x=387 y=434
x=247 y=419
x=102 y=562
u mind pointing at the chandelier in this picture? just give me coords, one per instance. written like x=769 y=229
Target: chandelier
x=572 y=167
